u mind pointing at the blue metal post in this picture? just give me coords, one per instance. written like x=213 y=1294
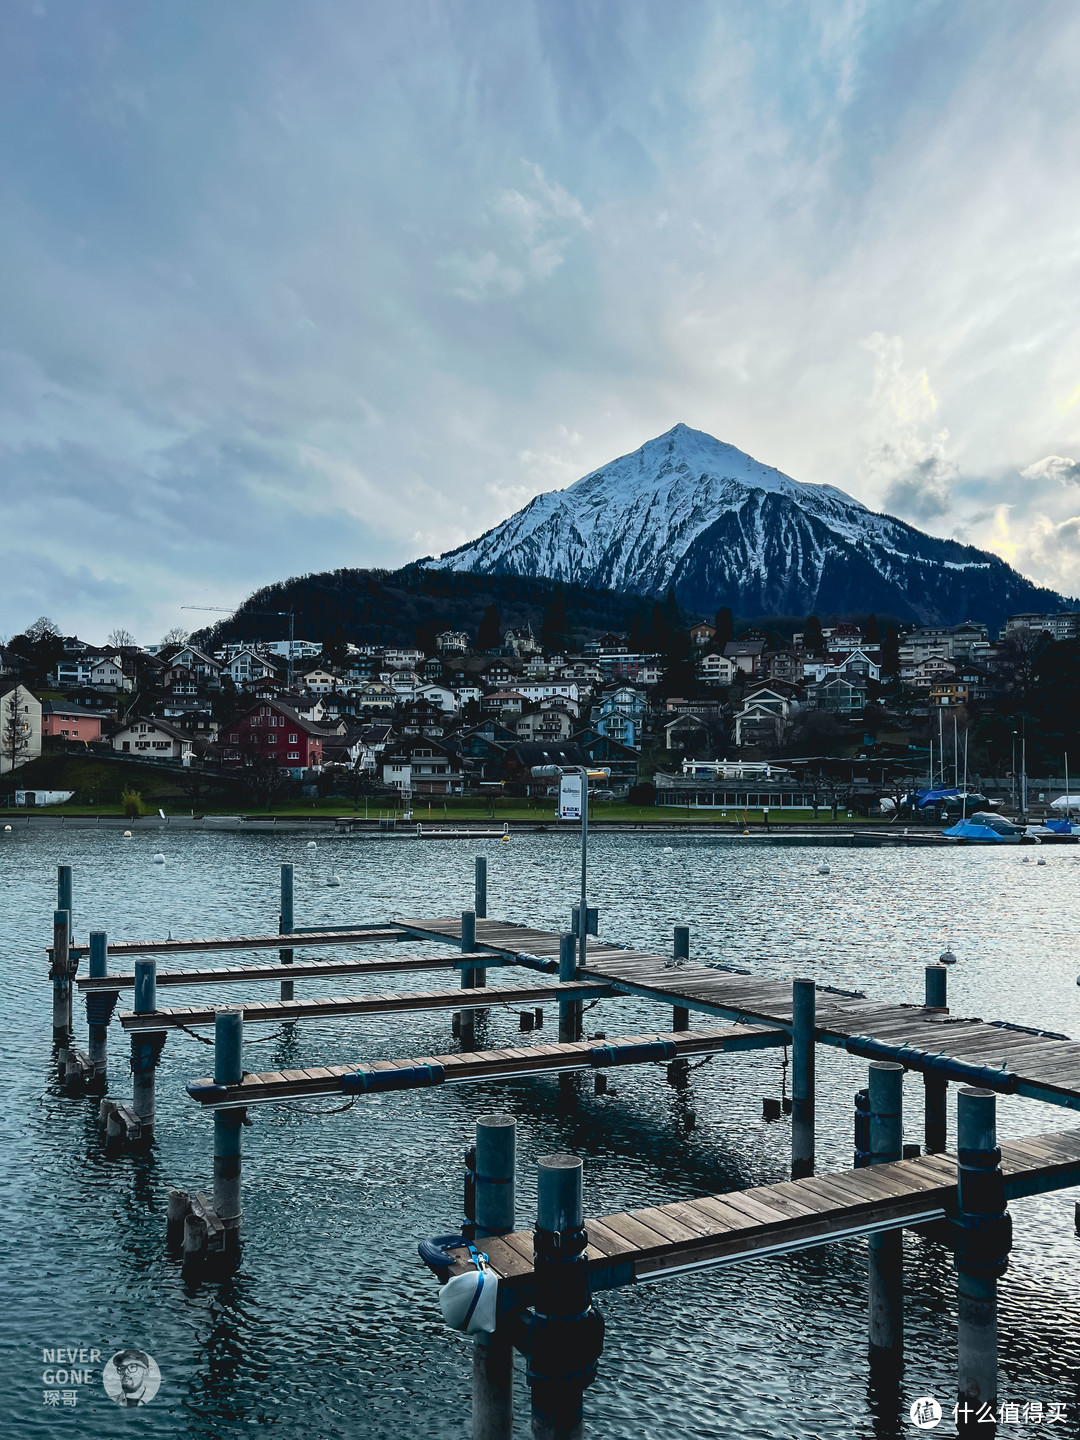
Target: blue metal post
x=886 y=1251
x=981 y=1257
x=286 y=925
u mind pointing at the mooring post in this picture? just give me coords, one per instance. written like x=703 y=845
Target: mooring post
x=680 y=951
x=567 y=1334
x=146 y=1048
x=65 y=901
x=803 y=1031
x=935 y=1087
x=569 y=1010
x=493 y=1355
x=228 y=1070
x=61 y=979
x=480 y=888
x=285 y=925
x=472 y=977
x=886 y=1251
x=99 y=1006
x=981 y=1257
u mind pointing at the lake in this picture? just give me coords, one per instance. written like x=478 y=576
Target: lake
x=331 y=1328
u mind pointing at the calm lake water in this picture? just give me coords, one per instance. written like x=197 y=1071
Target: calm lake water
x=331 y=1326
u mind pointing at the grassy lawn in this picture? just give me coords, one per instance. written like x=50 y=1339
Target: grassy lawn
x=455 y=811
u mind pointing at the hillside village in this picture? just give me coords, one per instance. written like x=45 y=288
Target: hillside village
x=453 y=719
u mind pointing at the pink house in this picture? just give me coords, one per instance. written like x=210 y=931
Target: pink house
x=68 y=722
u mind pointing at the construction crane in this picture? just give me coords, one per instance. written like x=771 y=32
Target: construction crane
x=288 y=614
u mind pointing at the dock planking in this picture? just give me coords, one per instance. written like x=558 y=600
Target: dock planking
x=300 y=970
x=707 y=1231
x=464 y=1066
x=361 y=935
x=335 y=1007
x=1036 y=1067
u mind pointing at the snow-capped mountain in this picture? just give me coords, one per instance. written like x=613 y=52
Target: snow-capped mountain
x=689 y=513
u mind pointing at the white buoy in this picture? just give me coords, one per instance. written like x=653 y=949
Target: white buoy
x=668 y=850
x=127 y=834
x=159 y=859
x=7 y=829
x=947 y=958
x=823 y=870
x=311 y=845
x=334 y=880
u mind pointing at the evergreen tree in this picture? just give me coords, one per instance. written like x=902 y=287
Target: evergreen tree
x=490 y=629
x=725 y=627
x=890 y=651
x=873 y=634
x=553 y=630
x=813 y=640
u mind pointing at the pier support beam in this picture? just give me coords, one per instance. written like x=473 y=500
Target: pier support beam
x=60 y=972
x=567 y=1334
x=146 y=1048
x=803 y=1022
x=569 y=1010
x=680 y=951
x=65 y=901
x=285 y=925
x=480 y=888
x=935 y=1087
x=99 y=1007
x=983 y=1256
x=886 y=1251
x=472 y=977
x=228 y=1070
x=493 y=1355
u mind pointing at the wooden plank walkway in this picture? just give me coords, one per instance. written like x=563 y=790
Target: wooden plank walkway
x=284 y=1085
x=1014 y=1061
x=335 y=1007
x=713 y=1230
x=361 y=935
x=299 y=970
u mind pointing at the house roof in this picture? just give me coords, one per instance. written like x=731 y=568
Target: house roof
x=156 y=721
x=529 y=753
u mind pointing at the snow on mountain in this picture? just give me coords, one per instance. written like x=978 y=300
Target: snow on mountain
x=689 y=513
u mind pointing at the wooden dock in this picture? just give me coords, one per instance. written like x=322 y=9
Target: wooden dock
x=337 y=1007
x=713 y=1230
x=284 y=1085
x=1008 y=1059
x=361 y=935
x=299 y=970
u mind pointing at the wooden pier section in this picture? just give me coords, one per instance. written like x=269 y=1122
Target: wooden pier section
x=361 y=935
x=299 y=970
x=713 y=1230
x=285 y=1085
x=1004 y=1058
x=337 y=1007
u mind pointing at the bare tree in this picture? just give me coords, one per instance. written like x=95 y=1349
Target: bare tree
x=176 y=636
x=119 y=638
x=42 y=629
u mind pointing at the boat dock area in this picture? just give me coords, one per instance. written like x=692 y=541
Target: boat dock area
x=547 y=1274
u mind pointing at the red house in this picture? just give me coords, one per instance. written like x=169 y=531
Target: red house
x=272 y=731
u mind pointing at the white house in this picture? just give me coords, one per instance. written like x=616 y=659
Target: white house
x=108 y=674
x=20 y=726
x=321 y=680
x=246 y=666
x=716 y=669
x=539 y=690
x=154 y=739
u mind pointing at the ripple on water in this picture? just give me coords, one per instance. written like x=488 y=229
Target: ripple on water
x=330 y=1328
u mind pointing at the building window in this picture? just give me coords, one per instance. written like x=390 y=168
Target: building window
x=271 y=739
x=234 y=739
x=294 y=755
x=292 y=739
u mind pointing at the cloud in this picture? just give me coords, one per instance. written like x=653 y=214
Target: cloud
x=342 y=284
x=1055 y=467
x=907 y=457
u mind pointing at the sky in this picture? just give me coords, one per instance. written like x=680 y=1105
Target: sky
x=288 y=285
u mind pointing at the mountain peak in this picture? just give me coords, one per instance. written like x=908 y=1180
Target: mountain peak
x=690 y=512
